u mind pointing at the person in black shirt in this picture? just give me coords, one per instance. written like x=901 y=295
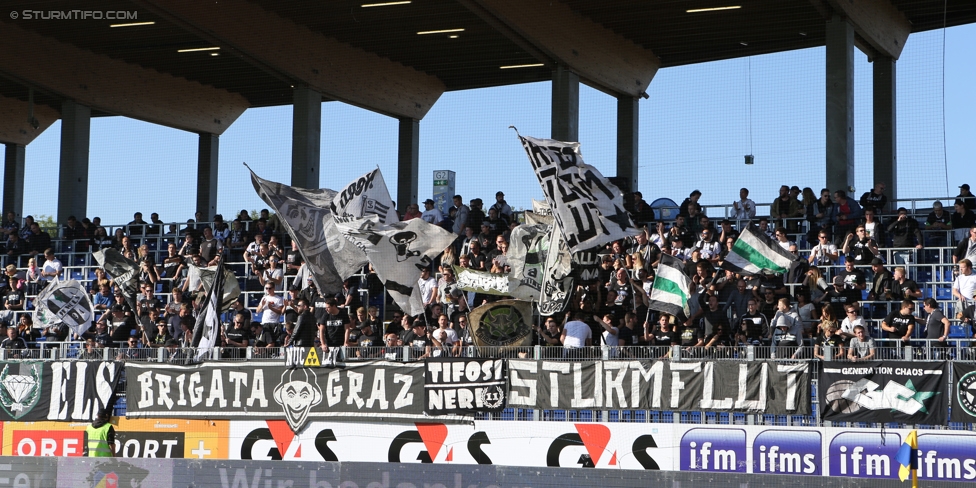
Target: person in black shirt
x=881 y=284
x=332 y=325
x=236 y=338
x=714 y=316
x=903 y=288
x=839 y=295
x=690 y=336
x=304 y=332
x=263 y=341
x=753 y=326
x=14 y=346
x=829 y=338
x=899 y=324
x=860 y=249
x=548 y=338
x=418 y=340
x=663 y=337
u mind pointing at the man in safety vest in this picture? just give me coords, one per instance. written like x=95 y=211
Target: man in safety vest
x=100 y=436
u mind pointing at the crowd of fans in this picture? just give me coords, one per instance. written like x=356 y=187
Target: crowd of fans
x=845 y=288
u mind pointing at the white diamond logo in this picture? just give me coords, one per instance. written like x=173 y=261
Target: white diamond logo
x=19 y=387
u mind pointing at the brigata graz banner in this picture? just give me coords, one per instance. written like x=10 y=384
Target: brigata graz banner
x=885 y=391
x=464 y=386
x=754 y=387
x=269 y=390
x=56 y=390
x=964 y=392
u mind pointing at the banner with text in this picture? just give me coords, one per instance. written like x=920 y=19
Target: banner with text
x=750 y=387
x=964 y=399
x=57 y=390
x=885 y=391
x=464 y=386
x=270 y=390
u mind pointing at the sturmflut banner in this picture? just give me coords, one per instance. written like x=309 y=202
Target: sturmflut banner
x=753 y=387
x=57 y=390
x=588 y=209
x=464 y=386
x=912 y=392
x=269 y=390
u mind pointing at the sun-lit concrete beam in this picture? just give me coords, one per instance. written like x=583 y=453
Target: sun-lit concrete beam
x=14 y=128
x=278 y=45
x=879 y=23
x=555 y=33
x=114 y=86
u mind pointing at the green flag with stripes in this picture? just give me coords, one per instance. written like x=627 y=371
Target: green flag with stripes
x=754 y=252
x=671 y=287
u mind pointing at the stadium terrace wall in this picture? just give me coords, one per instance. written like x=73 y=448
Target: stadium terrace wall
x=176 y=452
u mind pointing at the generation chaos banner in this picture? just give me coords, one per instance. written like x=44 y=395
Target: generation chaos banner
x=912 y=392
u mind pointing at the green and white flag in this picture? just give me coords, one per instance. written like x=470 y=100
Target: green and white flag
x=754 y=252
x=671 y=287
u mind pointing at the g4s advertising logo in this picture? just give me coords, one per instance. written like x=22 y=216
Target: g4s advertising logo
x=595 y=439
x=432 y=436
x=277 y=442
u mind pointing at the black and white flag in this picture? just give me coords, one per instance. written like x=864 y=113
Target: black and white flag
x=367 y=197
x=398 y=253
x=557 y=279
x=123 y=271
x=527 y=249
x=232 y=288
x=207 y=327
x=64 y=302
x=588 y=209
x=307 y=217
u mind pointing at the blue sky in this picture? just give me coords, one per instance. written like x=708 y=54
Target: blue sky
x=695 y=128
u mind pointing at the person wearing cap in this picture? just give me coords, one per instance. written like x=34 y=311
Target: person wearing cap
x=968 y=199
x=881 y=283
x=99 y=437
x=418 y=339
x=839 y=296
x=431 y=214
x=904 y=233
x=875 y=198
x=502 y=206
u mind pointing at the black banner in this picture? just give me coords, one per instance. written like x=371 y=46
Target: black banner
x=964 y=398
x=751 y=387
x=57 y=390
x=464 y=386
x=889 y=391
x=271 y=391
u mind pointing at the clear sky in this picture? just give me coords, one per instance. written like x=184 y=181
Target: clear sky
x=695 y=128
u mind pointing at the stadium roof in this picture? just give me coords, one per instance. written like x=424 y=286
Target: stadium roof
x=394 y=59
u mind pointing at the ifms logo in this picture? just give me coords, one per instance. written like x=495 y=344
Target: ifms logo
x=589 y=447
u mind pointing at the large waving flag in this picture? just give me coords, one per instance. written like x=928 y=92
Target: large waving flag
x=207 y=327
x=64 y=302
x=307 y=217
x=907 y=457
x=588 y=209
x=123 y=271
x=754 y=252
x=398 y=253
x=366 y=197
x=671 y=287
